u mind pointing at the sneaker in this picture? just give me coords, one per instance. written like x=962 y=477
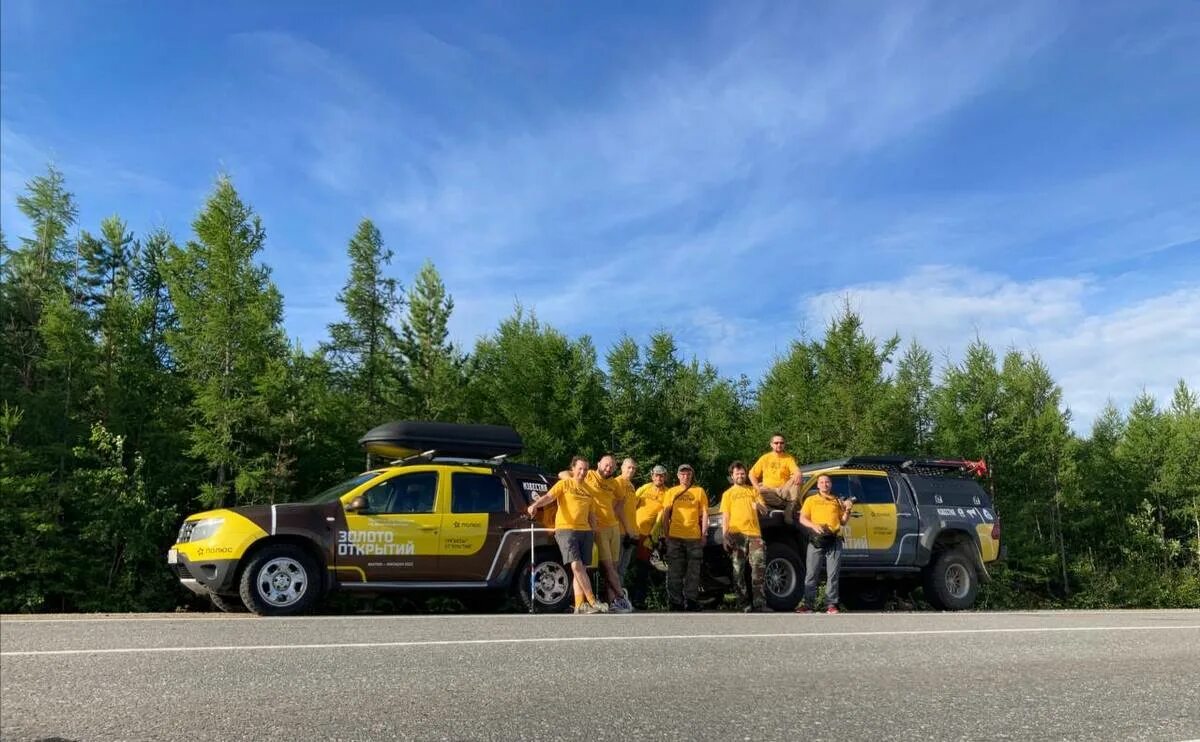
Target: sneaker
x=802 y=608
x=832 y=610
x=621 y=605
x=747 y=609
x=600 y=607
x=586 y=609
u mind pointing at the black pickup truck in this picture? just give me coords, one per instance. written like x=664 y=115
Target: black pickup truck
x=915 y=522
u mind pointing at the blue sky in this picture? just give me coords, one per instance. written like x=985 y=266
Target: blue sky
x=1027 y=172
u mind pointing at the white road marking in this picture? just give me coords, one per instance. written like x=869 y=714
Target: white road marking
x=936 y=615
x=569 y=639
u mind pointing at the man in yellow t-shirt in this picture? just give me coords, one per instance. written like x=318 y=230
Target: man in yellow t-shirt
x=629 y=533
x=823 y=514
x=610 y=515
x=685 y=518
x=648 y=505
x=573 y=526
x=741 y=535
x=776 y=476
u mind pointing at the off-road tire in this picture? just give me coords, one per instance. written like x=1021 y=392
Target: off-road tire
x=285 y=571
x=784 y=579
x=950 y=581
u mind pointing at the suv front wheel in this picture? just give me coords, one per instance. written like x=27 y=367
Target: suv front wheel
x=280 y=580
x=783 y=581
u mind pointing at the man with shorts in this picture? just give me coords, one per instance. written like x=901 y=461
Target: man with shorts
x=776 y=476
x=573 y=526
x=685 y=518
x=741 y=536
x=610 y=515
x=824 y=515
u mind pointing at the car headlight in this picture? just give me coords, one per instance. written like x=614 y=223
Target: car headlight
x=206 y=528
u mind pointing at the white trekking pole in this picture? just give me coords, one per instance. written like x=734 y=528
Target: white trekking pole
x=532 y=564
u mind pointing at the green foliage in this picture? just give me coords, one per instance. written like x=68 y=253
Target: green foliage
x=230 y=347
x=143 y=380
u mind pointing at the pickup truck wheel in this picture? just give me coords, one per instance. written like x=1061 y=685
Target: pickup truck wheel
x=280 y=580
x=227 y=603
x=950 y=582
x=783 y=582
x=550 y=590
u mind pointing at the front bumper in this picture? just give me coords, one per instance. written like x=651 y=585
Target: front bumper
x=204 y=575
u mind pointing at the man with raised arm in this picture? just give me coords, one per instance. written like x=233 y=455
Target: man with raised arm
x=573 y=526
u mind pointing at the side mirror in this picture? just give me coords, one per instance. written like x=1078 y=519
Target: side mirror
x=357 y=505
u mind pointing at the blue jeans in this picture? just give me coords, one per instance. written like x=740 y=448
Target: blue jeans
x=832 y=556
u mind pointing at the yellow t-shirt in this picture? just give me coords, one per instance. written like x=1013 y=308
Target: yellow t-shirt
x=823 y=511
x=773 y=470
x=575 y=502
x=738 y=506
x=649 y=505
x=606 y=491
x=689 y=509
x=630 y=504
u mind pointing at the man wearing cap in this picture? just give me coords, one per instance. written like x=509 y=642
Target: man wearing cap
x=776 y=476
x=741 y=536
x=629 y=530
x=685 y=515
x=649 y=505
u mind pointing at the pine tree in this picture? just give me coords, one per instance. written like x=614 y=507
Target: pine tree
x=363 y=349
x=434 y=367
x=228 y=343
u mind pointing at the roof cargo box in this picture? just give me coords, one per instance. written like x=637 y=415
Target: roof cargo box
x=410 y=437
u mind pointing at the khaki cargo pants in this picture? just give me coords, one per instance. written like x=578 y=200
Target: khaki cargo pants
x=785 y=498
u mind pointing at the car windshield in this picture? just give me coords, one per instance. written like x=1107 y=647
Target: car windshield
x=342 y=488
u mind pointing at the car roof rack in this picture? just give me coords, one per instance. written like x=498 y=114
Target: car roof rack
x=907 y=464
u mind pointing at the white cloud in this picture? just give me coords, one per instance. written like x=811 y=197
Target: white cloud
x=1113 y=352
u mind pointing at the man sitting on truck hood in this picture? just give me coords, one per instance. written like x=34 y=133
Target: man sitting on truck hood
x=776 y=475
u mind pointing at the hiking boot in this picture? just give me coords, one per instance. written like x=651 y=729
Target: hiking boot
x=802 y=608
x=832 y=610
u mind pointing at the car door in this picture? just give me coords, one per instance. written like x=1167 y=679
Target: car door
x=396 y=538
x=878 y=504
x=473 y=524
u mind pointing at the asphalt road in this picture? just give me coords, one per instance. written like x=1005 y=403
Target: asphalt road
x=1056 y=675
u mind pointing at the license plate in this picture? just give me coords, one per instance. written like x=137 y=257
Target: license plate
x=173 y=556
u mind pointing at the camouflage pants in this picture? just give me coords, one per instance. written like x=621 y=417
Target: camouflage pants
x=683 y=569
x=743 y=549
x=785 y=498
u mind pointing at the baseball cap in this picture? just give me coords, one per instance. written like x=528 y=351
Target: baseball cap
x=659 y=469
x=684 y=467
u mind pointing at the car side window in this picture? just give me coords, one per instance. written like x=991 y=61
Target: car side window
x=407 y=493
x=839 y=485
x=875 y=491
x=477 y=493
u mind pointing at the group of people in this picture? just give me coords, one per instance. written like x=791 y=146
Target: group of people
x=596 y=507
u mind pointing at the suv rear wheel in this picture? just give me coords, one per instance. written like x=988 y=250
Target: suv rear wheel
x=280 y=580
x=950 y=581
x=549 y=590
x=783 y=582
